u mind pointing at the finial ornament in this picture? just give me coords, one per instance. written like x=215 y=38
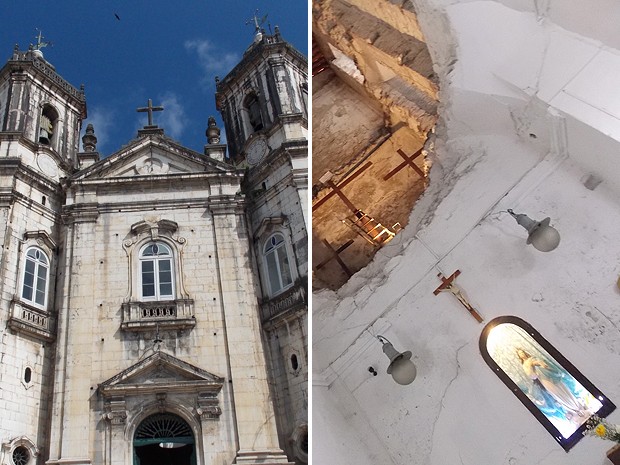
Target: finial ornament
x=89 y=140
x=213 y=132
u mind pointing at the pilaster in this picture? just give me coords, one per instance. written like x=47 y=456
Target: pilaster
x=256 y=429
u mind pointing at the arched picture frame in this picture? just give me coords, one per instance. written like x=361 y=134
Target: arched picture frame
x=553 y=390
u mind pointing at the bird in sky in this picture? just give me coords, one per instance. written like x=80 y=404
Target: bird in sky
x=117 y=16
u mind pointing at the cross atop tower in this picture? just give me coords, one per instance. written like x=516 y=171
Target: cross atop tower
x=40 y=44
x=150 y=109
x=257 y=22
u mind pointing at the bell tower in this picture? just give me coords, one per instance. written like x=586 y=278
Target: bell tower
x=264 y=105
x=40 y=118
x=40 y=108
x=264 y=97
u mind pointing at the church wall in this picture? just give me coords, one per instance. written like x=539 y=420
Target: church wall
x=457 y=410
x=99 y=287
x=215 y=265
x=283 y=341
x=24 y=403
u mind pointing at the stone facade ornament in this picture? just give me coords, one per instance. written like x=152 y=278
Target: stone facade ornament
x=208 y=407
x=115 y=412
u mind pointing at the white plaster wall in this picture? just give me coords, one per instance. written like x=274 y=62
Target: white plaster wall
x=502 y=71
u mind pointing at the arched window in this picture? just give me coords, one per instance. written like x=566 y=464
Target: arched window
x=277 y=264
x=156 y=272
x=36 y=273
x=252 y=106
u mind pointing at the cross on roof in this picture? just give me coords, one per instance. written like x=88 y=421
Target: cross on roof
x=150 y=109
x=257 y=22
x=40 y=44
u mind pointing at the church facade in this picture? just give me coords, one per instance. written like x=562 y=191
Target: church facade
x=153 y=302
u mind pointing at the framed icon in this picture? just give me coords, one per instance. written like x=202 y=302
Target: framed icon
x=551 y=388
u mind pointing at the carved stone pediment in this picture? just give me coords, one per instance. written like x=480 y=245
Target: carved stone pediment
x=156 y=155
x=161 y=372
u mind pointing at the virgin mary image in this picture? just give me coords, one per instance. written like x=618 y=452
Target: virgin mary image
x=546 y=383
x=551 y=388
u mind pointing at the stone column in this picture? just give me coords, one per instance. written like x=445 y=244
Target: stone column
x=255 y=421
x=71 y=410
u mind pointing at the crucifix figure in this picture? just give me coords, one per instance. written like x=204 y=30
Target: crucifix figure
x=150 y=109
x=449 y=286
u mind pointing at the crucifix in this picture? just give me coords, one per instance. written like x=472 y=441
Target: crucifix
x=337 y=190
x=408 y=161
x=150 y=109
x=335 y=255
x=449 y=286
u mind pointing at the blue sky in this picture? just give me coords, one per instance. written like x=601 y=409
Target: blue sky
x=160 y=49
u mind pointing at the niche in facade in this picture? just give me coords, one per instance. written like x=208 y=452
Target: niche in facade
x=551 y=388
x=47 y=125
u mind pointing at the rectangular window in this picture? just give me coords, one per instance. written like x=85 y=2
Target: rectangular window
x=28 y=280
x=274 y=276
x=41 y=281
x=165 y=278
x=148 y=279
x=285 y=270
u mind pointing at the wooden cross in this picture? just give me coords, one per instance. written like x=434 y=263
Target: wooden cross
x=408 y=161
x=448 y=285
x=335 y=255
x=150 y=109
x=336 y=190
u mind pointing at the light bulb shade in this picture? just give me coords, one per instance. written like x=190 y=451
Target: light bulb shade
x=542 y=236
x=401 y=367
x=403 y=370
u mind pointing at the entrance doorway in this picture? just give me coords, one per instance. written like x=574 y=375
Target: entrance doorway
x=164 y=439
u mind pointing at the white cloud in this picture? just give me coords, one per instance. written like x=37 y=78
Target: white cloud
x=212 y=59
x=102 y=120
x=173 y=119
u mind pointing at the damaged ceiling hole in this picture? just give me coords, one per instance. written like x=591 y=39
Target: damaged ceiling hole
x=374 y=110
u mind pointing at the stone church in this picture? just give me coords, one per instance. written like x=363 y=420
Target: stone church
x=436 y=125
x=154 y=301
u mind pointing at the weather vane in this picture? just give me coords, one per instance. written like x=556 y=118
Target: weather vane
x=256 y=21
x=40 y=43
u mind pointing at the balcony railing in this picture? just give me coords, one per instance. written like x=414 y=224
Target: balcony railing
x=170 y=314
x=292 y=299
x=35 y=322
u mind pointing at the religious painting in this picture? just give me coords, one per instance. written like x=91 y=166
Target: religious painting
x=554 y=391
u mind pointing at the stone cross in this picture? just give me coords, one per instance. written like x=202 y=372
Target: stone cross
x=448 y=285
x=150 y=109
